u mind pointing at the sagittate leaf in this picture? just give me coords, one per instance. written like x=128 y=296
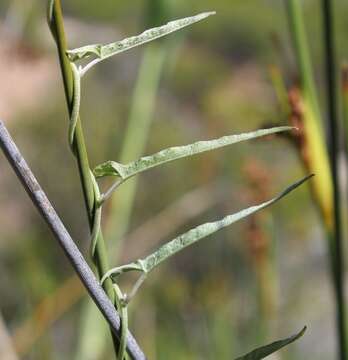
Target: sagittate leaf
x=263 y=351
x=112 y=168
x=105 y=51
x=181 y=242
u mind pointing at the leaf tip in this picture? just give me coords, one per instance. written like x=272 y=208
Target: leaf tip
x=282 y=128
x=301 y=333
x=207 y=13
x=291 y=127
x=295 y=185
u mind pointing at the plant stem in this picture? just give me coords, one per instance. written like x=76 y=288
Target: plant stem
x=326 y=167
x=331 y=81
x=64 y=239
x=345 y=105
x=313 y=148
x=302 y=51
x=80 y=147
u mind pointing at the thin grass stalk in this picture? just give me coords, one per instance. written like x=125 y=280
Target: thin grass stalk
x=332 y=96
x=345 y=105
x=301 y=48
x=314 y=151
x=102 y=263
x=344 y=185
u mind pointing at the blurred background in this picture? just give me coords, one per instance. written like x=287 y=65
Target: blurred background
x=257 y=281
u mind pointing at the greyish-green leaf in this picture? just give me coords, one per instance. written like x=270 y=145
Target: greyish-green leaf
x=112 y=168
x=181 y=242
x=207 y=229
x=263 y=351
x=105 y=51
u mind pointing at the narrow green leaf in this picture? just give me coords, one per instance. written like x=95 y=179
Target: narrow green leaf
x=105 y=51
x=202 y=231
x=262 y=352
x=112 y=168
x=181 y=242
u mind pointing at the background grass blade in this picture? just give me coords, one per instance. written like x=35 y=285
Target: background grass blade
x=334 y=147
x=313 y=147
x=314 y=153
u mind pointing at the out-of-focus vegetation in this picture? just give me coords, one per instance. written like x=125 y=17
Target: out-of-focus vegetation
x=262 y=279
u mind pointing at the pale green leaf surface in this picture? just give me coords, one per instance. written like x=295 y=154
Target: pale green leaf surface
x=263 y=351
x=112 y=168
x=205 y=230
x=171 y=248
x=105 y=51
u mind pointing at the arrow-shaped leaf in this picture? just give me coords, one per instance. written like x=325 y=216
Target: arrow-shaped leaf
x=112 y=168
x=102 y=52
x=263 y=351
x=181 y=242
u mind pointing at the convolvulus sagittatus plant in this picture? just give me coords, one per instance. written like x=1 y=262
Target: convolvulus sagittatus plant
x=75 y=65
x=152 y=69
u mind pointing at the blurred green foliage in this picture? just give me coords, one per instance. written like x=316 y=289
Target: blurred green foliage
x=217 y=84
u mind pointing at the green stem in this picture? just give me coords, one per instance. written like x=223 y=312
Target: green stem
x=333 y=228
x=331 y=74
x=79 y=147
x=122 y=309
x=301 y=47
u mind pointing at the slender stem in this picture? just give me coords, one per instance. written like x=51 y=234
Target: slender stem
x=327 y=192
x=122 y=308
x=109 y=192
x=79 y=145
x=313 y=148
x=331 y=81
x=302 y=51
x=136 y=287
x=64 y=239
x=89 y=66
x=345 y=105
